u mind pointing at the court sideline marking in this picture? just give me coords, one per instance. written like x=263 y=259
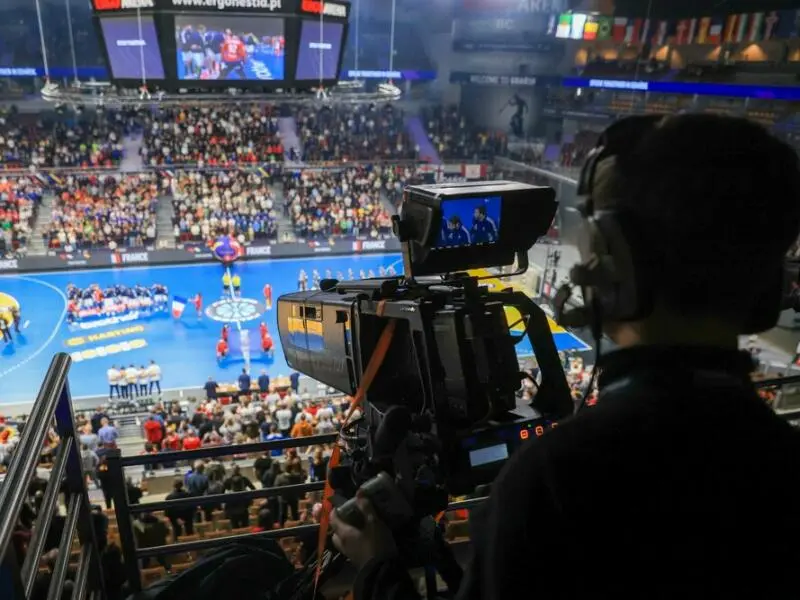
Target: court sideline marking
x=53 y=334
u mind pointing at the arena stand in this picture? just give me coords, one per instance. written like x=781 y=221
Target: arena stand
x=20 y=198
x=456 y=138
x=212 y=136
x=347 y=201
x=367 y=132
x=212 y=203
x=88 y=139
x=96 y=211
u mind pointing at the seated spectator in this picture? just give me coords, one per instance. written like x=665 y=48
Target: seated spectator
x=210 y=204
x=217 y=136
x=74 y=139
x=354 y=132
x=93 y=212
x=19 y=202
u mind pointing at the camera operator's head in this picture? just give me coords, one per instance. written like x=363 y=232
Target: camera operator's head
x=688 y=218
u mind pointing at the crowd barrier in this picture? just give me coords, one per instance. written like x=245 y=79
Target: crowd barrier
x=96 y=259
x=20 y=573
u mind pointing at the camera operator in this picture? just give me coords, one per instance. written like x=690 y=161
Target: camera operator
x=667 y=488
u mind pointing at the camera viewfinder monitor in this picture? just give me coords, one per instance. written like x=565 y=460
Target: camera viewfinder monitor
x=230 y=48
x=452 y=227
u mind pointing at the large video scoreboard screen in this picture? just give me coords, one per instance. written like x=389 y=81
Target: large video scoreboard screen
x=132 y=48
x=216 y=44
x=213 y=47
x=319 y=51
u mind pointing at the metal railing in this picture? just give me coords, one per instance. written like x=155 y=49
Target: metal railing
x=124 y=510
x=66 y=477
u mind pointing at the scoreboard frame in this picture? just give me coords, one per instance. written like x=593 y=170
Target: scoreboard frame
x=164 y=12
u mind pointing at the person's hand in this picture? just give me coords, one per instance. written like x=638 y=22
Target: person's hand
x=375 y=540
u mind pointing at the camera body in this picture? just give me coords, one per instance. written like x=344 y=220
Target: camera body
x=441 y=415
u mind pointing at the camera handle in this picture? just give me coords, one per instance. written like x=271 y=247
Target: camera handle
x=553 y=398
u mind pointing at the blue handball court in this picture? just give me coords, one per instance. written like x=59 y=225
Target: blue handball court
x=185 y=348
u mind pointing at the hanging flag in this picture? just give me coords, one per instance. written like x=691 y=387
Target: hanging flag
x=178 y=305
x=644 y=34
x=633 y=31
x=660 y=33
x=702 y=30
x=731 y=27
x=619 y=29
x=752 y=28
x=578 y=25
x=742 y=23
x=682 y=32
x=691 y=35
x=715 y=31
x=591 y=28
x=604 y=27
x=770 y=25
x=564 y=26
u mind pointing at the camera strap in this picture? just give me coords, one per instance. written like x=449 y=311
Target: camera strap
x=375 y=362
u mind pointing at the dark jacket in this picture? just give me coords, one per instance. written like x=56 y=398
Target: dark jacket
x=666 y=480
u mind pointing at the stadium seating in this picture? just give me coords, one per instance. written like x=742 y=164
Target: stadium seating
x=98 y=212
x=456 y=138
x=19 y=202
x=345 y=202
x=212 y=136
x=81 y=139
x=209 y=204
x=365 y=132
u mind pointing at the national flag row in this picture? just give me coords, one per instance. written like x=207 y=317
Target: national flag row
x=737 y=28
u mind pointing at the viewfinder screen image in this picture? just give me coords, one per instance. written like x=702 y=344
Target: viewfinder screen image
x=469 y=221
x=224 y=48
x=130 y=49
x=319 y=51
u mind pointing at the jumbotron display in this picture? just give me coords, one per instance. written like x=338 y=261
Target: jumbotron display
x=222 y=43
x=230 y=48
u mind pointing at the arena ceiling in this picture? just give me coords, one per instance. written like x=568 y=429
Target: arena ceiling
x=666 y=9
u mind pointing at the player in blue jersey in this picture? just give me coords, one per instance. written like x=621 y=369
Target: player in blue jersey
x=190 y=42
x=457 y=234
x=484 y=229
x=213 y=48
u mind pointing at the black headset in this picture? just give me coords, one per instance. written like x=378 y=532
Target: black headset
x=616 y=261
x=610 y=273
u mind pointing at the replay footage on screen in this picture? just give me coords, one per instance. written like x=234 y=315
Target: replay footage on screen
x=225 y=48
x=469 y=221
x=133 y=51
x=319 y=50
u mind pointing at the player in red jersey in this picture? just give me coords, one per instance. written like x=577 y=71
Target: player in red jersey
x=198 y=304
x=268 y=296
x=234 y=53
x=267 y=344
x=263 y=329
x=222 y=349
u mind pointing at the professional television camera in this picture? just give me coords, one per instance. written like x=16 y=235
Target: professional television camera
x=441 y=415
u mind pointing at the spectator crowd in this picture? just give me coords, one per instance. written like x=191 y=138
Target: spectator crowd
x=92 y=211
x=214 y=136
x=358 y=132
x=88 y=139
x=337 y=202
x=20 y=198
x=455 y=137
x=214 y=203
